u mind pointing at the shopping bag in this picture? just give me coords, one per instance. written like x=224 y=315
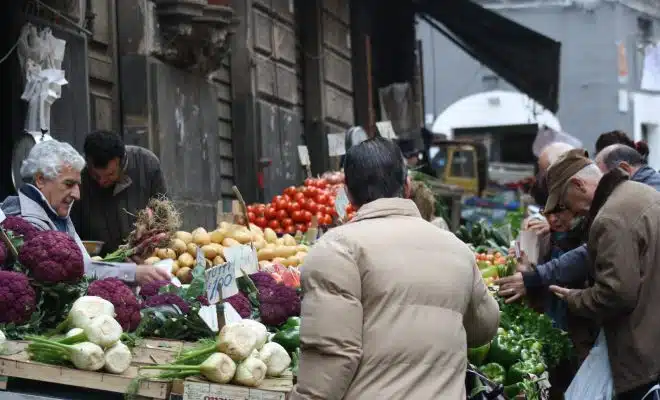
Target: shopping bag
x=594 y=378
x=653 y=393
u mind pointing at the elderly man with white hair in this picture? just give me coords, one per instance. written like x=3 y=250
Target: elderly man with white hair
x=51 y=175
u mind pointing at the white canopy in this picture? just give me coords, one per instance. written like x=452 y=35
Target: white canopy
x=493 y=108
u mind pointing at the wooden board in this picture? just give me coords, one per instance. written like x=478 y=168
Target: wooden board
x=18 y=365
x=269 y=389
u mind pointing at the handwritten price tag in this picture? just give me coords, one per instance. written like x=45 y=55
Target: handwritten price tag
x=341 y=202
x=243 y=257
x=220 y=282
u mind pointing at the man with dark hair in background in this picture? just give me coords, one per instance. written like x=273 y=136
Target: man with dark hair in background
x=391 y=301
x=118 y=181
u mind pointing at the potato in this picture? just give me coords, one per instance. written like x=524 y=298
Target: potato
x=165 y=254
x=279 y=260
x=186 y=237
x=285 y=251
x=229 y=242
x=201 y=237
x=226 y=225
x=242 y=236
x=279 y=242
x=259 y=244
x=218 y=260
x=270 y=235
x=256 y=229
x=209 y=251
x=292 y=261
x=186 y=260
x=185 y=275
x=288 y=240
x=175 y=267
x=218 y=235
x=265 y=254
x=151 y=260
x=178 y=245
x=303 y=248
x=192 y=249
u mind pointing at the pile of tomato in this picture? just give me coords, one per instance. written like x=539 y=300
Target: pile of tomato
x=293 y=210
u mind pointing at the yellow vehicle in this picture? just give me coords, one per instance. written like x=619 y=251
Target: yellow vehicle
x=460 y=163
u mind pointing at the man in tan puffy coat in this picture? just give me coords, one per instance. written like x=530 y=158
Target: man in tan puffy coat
x=391 y=302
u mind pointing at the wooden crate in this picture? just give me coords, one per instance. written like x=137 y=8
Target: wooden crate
x=197 y=389
x=18 y=365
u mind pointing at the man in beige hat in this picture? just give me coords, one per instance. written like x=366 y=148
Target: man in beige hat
x=624 y=284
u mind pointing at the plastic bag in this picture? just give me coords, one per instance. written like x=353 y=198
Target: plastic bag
x=594 y=378
x=546 y=136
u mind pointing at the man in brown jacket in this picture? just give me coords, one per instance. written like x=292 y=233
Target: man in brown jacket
x=624 y=226
x=391 y=302
x=118 y=181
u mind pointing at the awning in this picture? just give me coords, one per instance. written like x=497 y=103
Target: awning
x=525 y=58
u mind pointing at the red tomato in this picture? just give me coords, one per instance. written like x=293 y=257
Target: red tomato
x=322 y=198
x=333 y=211
x=309 y=191
x=274 y=224
x=282 y=204
x=261 y=222
x=307 y=216
x=298 y=216
x=259 y=209
x=270 y=213
x=322 y=183
x=327 y=220
x=277 y=198
x=309 y=182
x=300 y=196
x=290 y=191
x=293 y=207
x=251 y=216
x=286 y=222
x=251 y=208
x=311 y=206
x=282 y=214
x=291 y=230
x=301 y=227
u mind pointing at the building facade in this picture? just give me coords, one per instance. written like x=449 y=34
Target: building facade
x=602 y=58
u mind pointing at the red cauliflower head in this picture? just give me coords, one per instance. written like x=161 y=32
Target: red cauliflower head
x=52 y=257
x=17 y=298
x=122 y=297
x=19 y=226
x=276 y=302
x=241 y=304
x=152 y=288
x=168 y=299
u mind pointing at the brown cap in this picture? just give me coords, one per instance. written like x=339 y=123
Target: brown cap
x=559 y=173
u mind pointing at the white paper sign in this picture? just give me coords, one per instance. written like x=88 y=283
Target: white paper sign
x=336 y=144
x=231 y=315
x=303 y=155
x=386 y=130
x=2 y=216
x=166 y=266
x=341 y=202
x=243 y=257
x=209 y=315
x=220 y=282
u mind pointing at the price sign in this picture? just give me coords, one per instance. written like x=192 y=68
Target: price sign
x=386 y=130
x=336 y=144
x=231 y=315
x=220 y=282
x=243 y=257
x=209 y=315
x=341 y=202
x=303 y=154
x=200 y=260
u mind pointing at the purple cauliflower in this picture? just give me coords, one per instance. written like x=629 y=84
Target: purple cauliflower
x=152 y=288
x=19 y=226
x=203 y=300
x=122 y=297
x=168 y=299
x=17 y=298
x=241 y=304
x=277 y=302
x=52 y=257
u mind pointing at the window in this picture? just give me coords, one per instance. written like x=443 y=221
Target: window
x=462 y=164
x=438 y=157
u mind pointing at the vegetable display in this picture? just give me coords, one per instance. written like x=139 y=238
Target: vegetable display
x=481 y=234
x=52 y=257
x=18 y=300
x=126 y=305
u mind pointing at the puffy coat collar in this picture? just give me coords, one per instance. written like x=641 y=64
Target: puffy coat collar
x=387 y=207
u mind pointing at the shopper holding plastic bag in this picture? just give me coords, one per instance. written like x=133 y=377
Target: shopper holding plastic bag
x=624 y=224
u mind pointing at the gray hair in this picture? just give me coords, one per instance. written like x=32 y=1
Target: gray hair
x=48 y=158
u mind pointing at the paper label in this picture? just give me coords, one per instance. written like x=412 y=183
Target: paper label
x=243 y=257
x=206 y=391
x=166 y=266
x=2 y=216
x=210 y=317
x=220 y=282
x=303 y=155
x=336 y=144
x=231 y=315
x=200 y=260
x=341 y=202
x=386 y=130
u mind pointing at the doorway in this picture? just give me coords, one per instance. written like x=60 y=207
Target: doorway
x=651 y=135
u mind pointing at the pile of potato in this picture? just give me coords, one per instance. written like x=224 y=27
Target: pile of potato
x=284 y=250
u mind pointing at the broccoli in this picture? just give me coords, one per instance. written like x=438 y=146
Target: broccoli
x=152 y=288
x=122 y=297
x=19 y=226
x=52 y=257
x=241 y=304
x=277 y=302
x=17 y=298
x=168 y=298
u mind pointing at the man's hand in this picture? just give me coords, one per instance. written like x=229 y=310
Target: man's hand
x=562 y=292
x=149 y=273
x=512 y=287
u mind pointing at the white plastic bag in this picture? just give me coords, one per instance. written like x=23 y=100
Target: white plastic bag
x=594 y=378
x=653 y=393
